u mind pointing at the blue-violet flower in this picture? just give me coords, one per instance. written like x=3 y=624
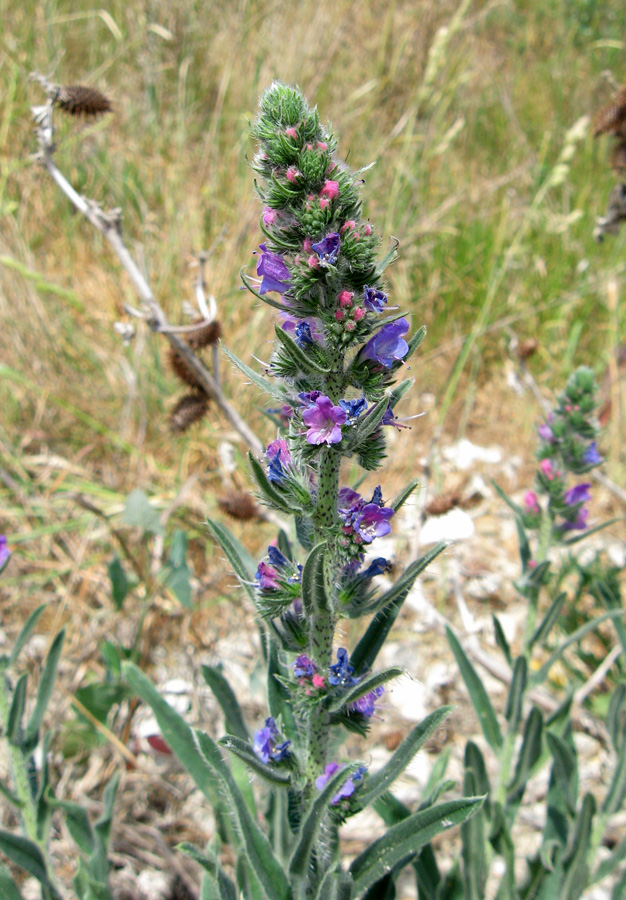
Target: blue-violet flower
x=387 y=345
x=324 y=421
x=275 y=276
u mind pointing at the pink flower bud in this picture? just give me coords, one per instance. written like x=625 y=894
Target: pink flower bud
x=324 y=202
x=269 y=215
x=318 y=681
x=345 y=298
x=292 y=174
x=322 y=145
x=349 y=224
x=313 y=263
x=359 y=312
x=291 y=132
x=531 y=501
x=350 y=326
x=367 y=229
x=339 y=315
x=308 y=245
x=330 y=189
x=546 y=467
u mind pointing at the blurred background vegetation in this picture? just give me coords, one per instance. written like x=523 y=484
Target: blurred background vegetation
x=464 y=126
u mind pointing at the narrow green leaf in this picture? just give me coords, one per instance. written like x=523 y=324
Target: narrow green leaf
x=27 y=855
x=530 y=751
x=8 y=888
x=336 y=886
x=515 y=696
x=243 y=565
x=475 y=761
x=175 y=731
x=522 y=541
x=265 y=384
x=225 y=696
x=478 y=694
x=46 y=686
x=385 y=889
x=540 y=676
x=415 y=342
x=303 y=360
x=389 y=257
x=368 y=424
x=501 y=640
x=244 y=751
x=264 y=298
x=10 y=796
x=312 y=822
x=102 y=829
x=77 y=822
x=516 y=509
x=585 y=534
x=564 y=768
x=473 y=846
x=272 y=494
x=377 y=784
x=549 y=620
x=364 y=687
x=120 y=584
x=608 y=865
x=408 y=837
x=313 y=590
x=25 y=633
x=616 y=793
x=616 y=718
x=576 y=861
x=401 y=498
x=18 y=702
x=265 y=867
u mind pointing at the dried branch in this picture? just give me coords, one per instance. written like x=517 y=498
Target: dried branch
x=108 y=223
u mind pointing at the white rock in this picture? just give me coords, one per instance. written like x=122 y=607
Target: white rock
x=464 y=454
x=408 y=696
x=455 y=525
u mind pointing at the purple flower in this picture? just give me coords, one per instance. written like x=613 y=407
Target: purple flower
x=373 y=522
x=308 y=398
x=328 y=248
x=342 y=672
x=376 y=567
x=303 y=331
x=5 y=553
x=278 y=458
x=275 y=276
x=375 y=300
x=577 y=494
x=377 y=496
x=353 y=408
x=545 y=432
x=266 y=575
x=324 y=421
x=389 y=418
x=304 y=667
x=591 y=456
x=348 y=500
x=347 y=789
x=277 y=558
x=387 y=345
x=577 y=524
x=265 y=746
x=366 y=704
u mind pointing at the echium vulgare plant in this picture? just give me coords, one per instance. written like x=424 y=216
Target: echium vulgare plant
x=339 y=344
x=551 y=521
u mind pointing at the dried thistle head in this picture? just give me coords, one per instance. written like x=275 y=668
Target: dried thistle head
x=205 y=336
x=526 y=348
x=239 y=505
x=612 y=118
x=189 y=410
x=181 y=367
x=81 y=100
x=443 y=503
x=618 y=158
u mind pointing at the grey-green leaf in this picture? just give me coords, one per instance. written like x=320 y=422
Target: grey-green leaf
x=478 y=694
x=25 y=633
x=225 y=696
x=46 y=686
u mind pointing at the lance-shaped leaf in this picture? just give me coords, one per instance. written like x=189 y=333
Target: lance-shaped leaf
x=313 y=589
x=16 y=712
x=564 y=769
x=515 y=697
x=365 y=686
x=576 y=861
x=225 y=696
x=501 y=640
x=473 y=846
x=478 y=694
x=306 y=362
x=312 y=822
x=239 y=558
x=265 y=867
x=549 y=620
x=8 y=888
x=530 y=751
x=369 y=423
x=390 y=256
x=25 y=633
x=616 y=718
x=401 y=498
x=78 y=824
x=540 y=676
x=278 y=695
x=475 y=761
x=219 y=886
x=244 y=751
x=585 y=534
x=608 y=865
x=395 y=596
x=175 y=731
x=616 y=793
x=27 y=855
x=408 y=837
x=266 y=384
x=46 y=686
x=99 y=861
x=415 y=342
x=275 y=497
x=380 y=782
x=514 y=506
